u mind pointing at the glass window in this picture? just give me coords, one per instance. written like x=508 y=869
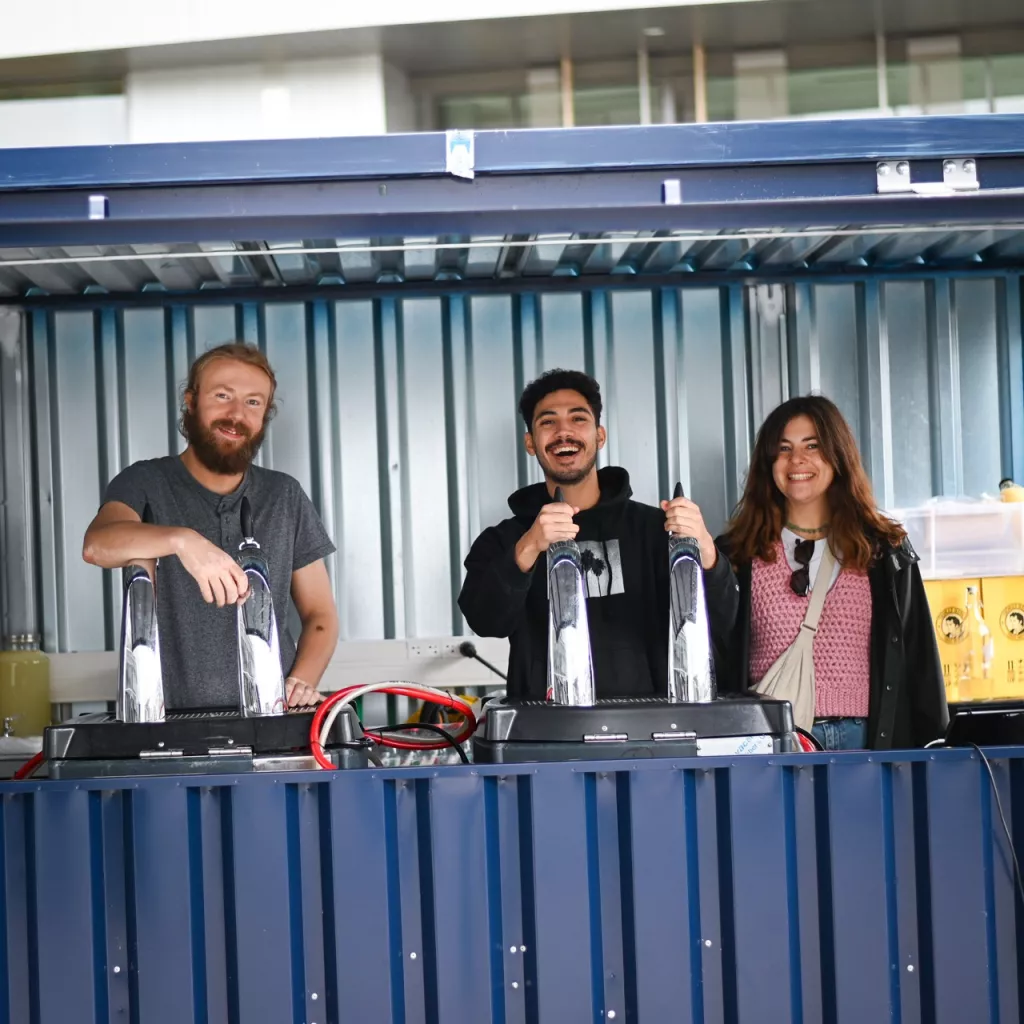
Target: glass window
x=930 y=76
x=1008 y=83
x=479 y=112
x=60 y=90
x=672 y=96
x=510 y=98
x=606 y=93
x=721 y=98
x=803 y=81
x=841 y=92
x=607 y=105
x=946 y=74
x=946 y=87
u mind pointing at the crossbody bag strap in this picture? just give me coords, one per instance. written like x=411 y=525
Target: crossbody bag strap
x=819 y=589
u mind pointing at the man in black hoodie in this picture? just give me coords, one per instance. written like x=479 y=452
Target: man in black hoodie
x=623 y=545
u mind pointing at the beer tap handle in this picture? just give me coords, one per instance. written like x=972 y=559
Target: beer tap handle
x=678 y=492
x=245 y=513
x=559 y=496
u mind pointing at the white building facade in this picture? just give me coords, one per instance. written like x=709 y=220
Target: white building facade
x=115 y=71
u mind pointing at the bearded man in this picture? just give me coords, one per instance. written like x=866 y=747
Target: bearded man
x=194 y=529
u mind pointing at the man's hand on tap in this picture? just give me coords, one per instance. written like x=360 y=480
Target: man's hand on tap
x=553 y=523
x=684 y=519
x=220 y=578
x=300 y=694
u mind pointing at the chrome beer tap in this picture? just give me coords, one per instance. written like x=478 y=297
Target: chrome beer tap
x=140 y=685
x=691 y=670
x=570 y=669
x=260 y=678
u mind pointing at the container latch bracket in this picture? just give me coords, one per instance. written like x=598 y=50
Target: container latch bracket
x=958 y=175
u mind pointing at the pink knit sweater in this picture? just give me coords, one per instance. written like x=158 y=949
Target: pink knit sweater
x=842 y=648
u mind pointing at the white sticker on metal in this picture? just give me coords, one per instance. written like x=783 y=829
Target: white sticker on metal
x=723 y=746
x=460 y=156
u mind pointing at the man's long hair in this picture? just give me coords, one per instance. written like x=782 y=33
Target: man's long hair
x=857 y=527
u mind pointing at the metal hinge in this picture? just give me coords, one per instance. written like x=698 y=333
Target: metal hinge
x=157 y=754
x=229 y=751
x=958 y=175
x=606 y=737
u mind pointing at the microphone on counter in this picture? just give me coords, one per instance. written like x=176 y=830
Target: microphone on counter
x=468 y=650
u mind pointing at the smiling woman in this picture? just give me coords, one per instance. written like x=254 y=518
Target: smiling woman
x=808 y=504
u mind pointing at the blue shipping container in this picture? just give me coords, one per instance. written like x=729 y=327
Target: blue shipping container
x=849 y=888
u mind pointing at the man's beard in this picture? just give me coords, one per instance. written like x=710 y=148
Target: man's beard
x=208 y=448
x=567 y=477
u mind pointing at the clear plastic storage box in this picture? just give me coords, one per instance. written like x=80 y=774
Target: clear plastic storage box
x=963 y=539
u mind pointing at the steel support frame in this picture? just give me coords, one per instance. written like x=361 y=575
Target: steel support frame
x=592 y=179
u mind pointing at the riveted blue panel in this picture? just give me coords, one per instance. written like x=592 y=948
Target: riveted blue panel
x=19 y=937
x=62 y=911
x=361 y=924
x=259 y=837
x=860 y=886
x=766 y=973
x=665 y=898
x=162 y=916
x=962 y=928
x=566 y=904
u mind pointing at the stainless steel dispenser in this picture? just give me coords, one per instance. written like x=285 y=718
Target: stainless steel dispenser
x=691 y=670
x=260 y=678
x=140 y=685
x=570 y=669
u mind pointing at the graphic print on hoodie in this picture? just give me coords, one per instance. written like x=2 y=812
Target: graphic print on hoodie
x=624 y=548
x=602 y=567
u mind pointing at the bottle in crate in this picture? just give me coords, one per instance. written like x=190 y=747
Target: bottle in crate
x=977 y=681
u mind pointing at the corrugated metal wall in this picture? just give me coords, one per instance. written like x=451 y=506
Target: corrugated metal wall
x=851 y=889
x=398 y=415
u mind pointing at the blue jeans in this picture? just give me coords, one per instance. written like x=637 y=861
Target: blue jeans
x=841 y=733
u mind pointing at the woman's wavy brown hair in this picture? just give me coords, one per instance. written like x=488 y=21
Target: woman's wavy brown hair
x=857 y=527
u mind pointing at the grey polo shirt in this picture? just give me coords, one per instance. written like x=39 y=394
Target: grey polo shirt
x=198 y=645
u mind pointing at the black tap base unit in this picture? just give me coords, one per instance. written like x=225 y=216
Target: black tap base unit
x=518 y=731
x=204 y=742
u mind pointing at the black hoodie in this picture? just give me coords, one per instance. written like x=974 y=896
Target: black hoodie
x=625 y=552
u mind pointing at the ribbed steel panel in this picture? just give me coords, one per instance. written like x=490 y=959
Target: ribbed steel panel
x=398 y=414
x=844 y=888
x=64 y=273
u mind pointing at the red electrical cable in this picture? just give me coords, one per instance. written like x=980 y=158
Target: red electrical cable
x=29 y=766
x=445 y=700
x=314 y=729
x=806 y=743
x=388 y=741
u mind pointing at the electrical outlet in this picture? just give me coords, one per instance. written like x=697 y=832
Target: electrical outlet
x=432 y=648
x=422 y=649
